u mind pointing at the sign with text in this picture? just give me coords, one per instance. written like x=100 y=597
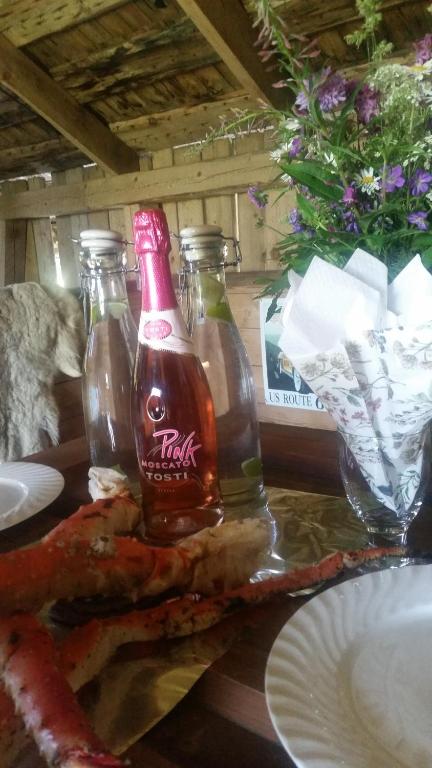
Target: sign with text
x=283 y=385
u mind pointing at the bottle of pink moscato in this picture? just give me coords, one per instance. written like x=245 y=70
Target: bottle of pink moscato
x=172 y=408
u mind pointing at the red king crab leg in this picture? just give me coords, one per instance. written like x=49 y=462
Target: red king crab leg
x=114 y=515
x=103 y=517
x=44 y=699
x=212 y=560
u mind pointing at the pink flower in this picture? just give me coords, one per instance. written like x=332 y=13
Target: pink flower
x=423 y=49
x=257 y=197
x=302 y=103
x=350 y=195
x=367 y=104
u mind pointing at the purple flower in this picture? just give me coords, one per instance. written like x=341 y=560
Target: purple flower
x=350 y=195
x=332 y=93
x=419 y=219
x=294 y=218
x=302 y=102
x=350 y=222
x=295 y=147
x=257 y=197
x=394 y=178
x=367 y=104
x=420 y=182
x=423 y=49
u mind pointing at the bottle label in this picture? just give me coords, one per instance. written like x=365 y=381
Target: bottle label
x=174 y=458
x=165 y=330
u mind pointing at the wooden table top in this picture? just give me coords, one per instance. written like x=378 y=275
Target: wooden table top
x=223 y=721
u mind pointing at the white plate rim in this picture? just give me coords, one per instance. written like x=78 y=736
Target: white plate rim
x=305 y=737
x=44 y=485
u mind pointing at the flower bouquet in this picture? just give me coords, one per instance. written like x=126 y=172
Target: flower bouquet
x=358 y=152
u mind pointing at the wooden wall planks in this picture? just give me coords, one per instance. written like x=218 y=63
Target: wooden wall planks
x=15 y=240
x=2 y=252
x=41 y=232
x=234 y=212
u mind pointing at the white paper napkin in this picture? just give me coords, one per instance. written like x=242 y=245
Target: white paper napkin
x=366 y=351
x=410 y=293
x=105 y=483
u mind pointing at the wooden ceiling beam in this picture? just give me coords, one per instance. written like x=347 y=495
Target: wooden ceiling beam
x=46 y=97
x=314 y=17
x=182 y=125
x=23 y=21
x=228 y=29
x=139 y=44
x=89 y=82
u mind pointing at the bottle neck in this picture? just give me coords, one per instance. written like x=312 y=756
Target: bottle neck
x=105 y=287
x=210 y=275
x=105 y=296
x=157 y=287
x=204 y=295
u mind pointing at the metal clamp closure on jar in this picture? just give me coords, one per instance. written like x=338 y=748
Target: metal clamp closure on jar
x=204 y=247
x=102 y=253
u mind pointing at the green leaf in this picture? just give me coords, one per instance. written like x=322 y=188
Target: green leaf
x=316 y=113
x=273 y=308
x=318 y=170
x=275 y=286
x=318 y=180
x=426 y=257
x=422 y=240
x=344 y=151
x=384 y=210
x=306 y=208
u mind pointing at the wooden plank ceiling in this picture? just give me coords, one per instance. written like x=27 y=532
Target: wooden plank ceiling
x=148 y=73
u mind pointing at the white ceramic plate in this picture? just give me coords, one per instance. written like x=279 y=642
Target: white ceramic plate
x=349 y=678
x=26 y=489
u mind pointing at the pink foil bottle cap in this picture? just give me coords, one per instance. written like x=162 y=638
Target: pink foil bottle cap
x=151 y=233
x=152 y=246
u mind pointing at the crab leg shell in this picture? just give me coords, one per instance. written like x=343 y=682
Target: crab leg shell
x=31 y=577
x=103 y=517
x=210 y=561
x=43 y=697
